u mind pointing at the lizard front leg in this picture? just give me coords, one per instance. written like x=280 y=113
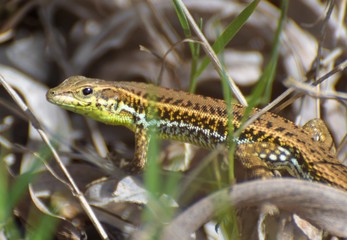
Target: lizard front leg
x=138 y=163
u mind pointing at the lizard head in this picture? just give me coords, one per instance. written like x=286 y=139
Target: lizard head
x=98 y=99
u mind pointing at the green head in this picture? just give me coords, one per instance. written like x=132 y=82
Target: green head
x=97 y=99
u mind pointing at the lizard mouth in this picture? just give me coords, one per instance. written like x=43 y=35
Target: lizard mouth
x=66 y=101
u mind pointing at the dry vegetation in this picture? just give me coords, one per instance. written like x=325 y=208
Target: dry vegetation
x=43 y=42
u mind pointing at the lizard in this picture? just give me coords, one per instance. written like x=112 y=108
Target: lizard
x=270 y=144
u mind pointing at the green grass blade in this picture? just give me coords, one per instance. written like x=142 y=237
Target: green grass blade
x=185 y=26
x=230 y=31
x=183 y=20
x=194 y=47
x=262 y=91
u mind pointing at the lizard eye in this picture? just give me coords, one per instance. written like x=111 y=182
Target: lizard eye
x=87 y=91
